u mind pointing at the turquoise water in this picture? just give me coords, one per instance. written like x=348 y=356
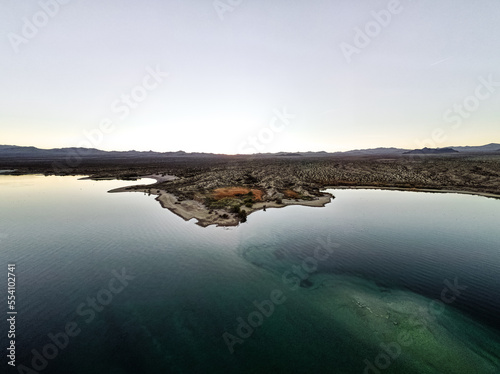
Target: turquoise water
x=377 y=281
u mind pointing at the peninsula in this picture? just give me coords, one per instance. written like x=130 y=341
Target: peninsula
x=225 y=206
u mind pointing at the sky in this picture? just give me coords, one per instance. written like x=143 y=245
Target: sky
x=248 y=76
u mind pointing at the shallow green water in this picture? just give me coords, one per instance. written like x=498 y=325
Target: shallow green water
x=358 y=284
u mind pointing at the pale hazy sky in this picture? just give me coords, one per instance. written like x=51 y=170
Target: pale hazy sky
x=228 y=70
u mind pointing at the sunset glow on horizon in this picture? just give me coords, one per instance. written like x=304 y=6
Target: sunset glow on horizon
x=249 y=77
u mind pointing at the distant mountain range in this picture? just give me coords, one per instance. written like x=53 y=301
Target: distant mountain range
x=21 y=152
x=12 y=151
x=431 y=151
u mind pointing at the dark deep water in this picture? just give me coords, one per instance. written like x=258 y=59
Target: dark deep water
x=370 y=271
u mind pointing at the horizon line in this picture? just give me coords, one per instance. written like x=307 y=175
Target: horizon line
x=247 y=154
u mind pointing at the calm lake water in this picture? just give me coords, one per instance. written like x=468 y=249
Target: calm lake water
x=375 y=282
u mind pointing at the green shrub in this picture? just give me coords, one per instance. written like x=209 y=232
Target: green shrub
x=243 y=215
x=249 y=202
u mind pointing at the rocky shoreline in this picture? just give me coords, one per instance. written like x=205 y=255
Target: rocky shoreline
x=224 y=216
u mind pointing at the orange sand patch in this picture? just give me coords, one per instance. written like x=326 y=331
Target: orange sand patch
x=291 y=194
x=221 y=193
